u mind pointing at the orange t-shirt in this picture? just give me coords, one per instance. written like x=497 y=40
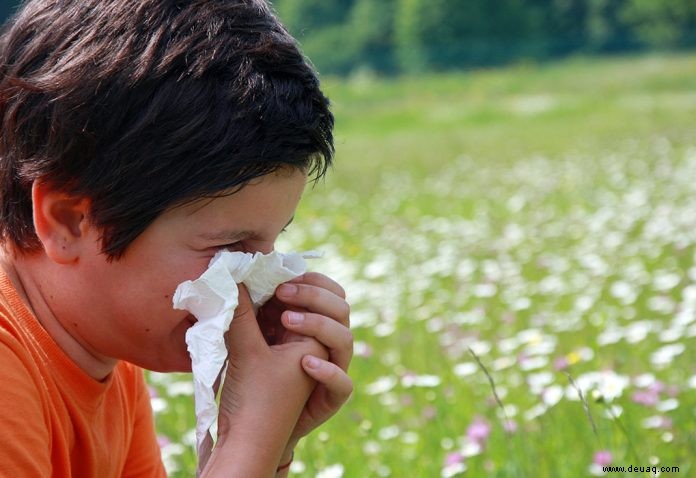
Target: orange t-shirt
x=57 y=421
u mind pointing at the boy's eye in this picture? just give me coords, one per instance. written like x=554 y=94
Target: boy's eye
x=234 y=246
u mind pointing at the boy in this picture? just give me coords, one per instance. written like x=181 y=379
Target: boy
x=137 y=140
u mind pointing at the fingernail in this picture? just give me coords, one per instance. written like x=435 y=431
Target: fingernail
x=287 y=290
x=295 y=318
x=312 y=362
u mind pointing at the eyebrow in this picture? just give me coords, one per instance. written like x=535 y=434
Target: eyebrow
x=229 y=235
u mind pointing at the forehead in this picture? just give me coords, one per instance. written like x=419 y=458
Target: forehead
x=267 y=200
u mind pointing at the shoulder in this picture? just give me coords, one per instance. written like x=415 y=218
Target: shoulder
x=20 y=352
x=130 y=381
x=16 y=332
x=130 y=374
x=16 y=358
x=24 y=410
x=20 y=369
x=25 y=424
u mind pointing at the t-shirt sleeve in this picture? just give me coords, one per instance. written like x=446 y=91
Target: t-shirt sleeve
x=24 y=429
x=144 y=458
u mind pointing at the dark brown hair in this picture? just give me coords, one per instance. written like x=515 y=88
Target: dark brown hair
x=144 y=105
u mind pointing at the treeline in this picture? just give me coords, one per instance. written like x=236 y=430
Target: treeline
x=397 y=36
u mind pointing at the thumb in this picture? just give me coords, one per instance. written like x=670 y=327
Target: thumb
x=244 y=332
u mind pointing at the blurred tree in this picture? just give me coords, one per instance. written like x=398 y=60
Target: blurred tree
x=341 y=36
x=555 y=27
x=392 y=36
x=605 y=27
x=301 y=16
x=409 y=29
x=451 y=33
x=322 y=28
x=372 y=29
x=332 y=49
x=662 y=23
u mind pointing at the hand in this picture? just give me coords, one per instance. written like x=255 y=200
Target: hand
x=320 y=303
x=263 y=396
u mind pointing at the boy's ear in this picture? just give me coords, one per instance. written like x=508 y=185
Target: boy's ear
x=60 y=222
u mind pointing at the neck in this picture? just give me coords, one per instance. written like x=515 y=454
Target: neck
x=38 y=297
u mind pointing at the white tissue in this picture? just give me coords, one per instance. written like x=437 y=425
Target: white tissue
x=212 y=299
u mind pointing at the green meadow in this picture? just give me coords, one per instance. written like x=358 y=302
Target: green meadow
x=518 y=247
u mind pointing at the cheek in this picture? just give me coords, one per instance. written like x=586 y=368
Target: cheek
x=146 y=288
x=166 y=282
x=172 y=274
x=147 y=298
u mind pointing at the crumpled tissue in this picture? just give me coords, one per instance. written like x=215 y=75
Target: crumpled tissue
x=212 y=299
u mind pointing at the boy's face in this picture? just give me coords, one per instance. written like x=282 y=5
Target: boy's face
x=129 y=301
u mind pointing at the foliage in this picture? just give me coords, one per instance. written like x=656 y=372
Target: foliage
x=343 y=36
x=666 y=23
x=411 y=36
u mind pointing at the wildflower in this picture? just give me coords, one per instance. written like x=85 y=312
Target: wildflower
x=478 y=431
x=532 y=363
x=332 y=471
x=613 y=412
x=158 y=404
x=372 y=447
x=453 y=458
x=552 y=395
x=454 y=465
x=362 y=349
x=510 y=426
x=561 y=363
x=427 y=381
x=605 y=386
x=297 y=466
x=667 y=405
x=664 y=355
x=657 y=421
x=538 y=381
x=648 y=398
x=152 y=391
x=602 y=458
x=180 y=388
x=644 y=380
x=429 y=412
x=470 y=448
x=534 y=412
x=388 y=433
x=576 y=356
x=163 y=440
x=381 y=385
x=692 y=381
x=465 y=369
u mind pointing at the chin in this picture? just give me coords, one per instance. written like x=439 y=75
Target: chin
x=182 y=369
x=180 y=363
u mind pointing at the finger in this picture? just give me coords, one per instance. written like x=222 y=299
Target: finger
x=320 y=280
x=244 y=332
x=330 y=333
x=315 y=299
x=337 y=383
x=245 y=307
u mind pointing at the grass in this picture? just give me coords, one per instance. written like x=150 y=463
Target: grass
x=541 y=216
